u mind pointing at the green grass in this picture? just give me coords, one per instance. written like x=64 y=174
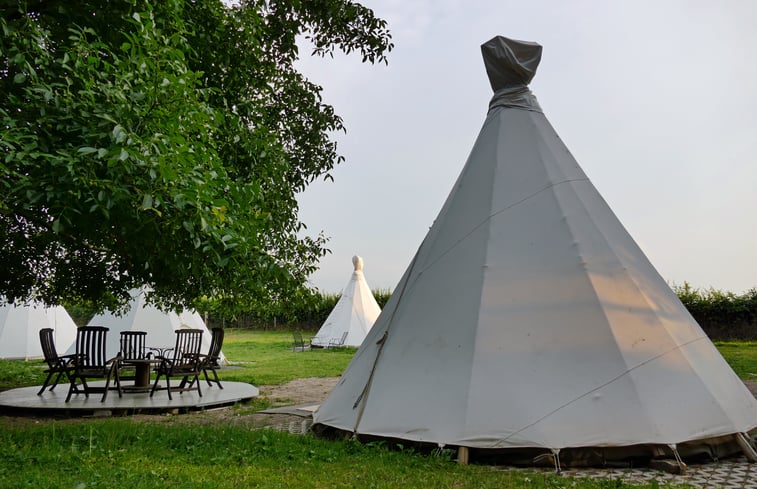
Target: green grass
x=266 y=358
x=741 y=356
x=118 y=453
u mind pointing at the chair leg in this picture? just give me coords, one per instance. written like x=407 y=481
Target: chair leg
x=215 y=377
x=113 y=372
x=105 y=391
x=44 y=385
x=72 y=388
x=57 y=379
x=155 y=385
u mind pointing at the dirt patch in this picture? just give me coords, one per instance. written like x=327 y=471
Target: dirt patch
x=299 y=391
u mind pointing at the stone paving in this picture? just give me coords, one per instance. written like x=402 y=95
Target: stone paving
x=732 y=473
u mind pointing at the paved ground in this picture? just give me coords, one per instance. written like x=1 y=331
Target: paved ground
x=736 y=473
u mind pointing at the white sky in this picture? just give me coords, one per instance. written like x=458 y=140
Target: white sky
x=656 y=99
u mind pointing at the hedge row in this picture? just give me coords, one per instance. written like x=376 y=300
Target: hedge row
x=722 y=315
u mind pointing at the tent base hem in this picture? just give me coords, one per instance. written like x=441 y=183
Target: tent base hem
x=632 y=456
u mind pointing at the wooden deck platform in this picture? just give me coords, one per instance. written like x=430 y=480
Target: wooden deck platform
x=25 y=401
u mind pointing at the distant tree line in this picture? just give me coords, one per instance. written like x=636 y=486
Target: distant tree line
x=722 y=315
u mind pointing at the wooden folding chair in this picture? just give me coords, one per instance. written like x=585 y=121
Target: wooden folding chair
x=131 y=347
x=56 y=364
x=211 y=361
x=91 y=361
x=183 y=361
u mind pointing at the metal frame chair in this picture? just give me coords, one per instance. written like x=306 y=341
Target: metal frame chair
x=91 y=361
x=299 y=342
x=56 y=364
x=184 y=362
x=338 y=342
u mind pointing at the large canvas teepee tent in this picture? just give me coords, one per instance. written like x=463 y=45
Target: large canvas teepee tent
x=530 y=319
x=354 y=313
x=160 y=325
x=20 y=325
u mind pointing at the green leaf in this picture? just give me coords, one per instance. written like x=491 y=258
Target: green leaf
x=147 y=201
x=118 y=133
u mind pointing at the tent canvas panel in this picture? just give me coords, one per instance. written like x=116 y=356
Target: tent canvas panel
x=20 y=326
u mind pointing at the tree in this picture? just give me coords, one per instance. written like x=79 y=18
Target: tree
x=163 y=143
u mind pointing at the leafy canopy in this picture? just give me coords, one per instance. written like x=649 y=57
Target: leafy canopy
x=162 y=143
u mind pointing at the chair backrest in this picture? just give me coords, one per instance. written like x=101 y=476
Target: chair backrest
x=187 y=349
x=216 y=341
x=133 y=345
x=297 y=338
x=48 y=346
x=90 y=346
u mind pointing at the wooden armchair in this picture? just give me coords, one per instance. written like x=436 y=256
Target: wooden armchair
x=90 y=361
x=183 y=361
x=211 y=361
x=132 y=347
x=56 y=364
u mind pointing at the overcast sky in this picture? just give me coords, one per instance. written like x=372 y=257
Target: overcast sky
x=656 y=99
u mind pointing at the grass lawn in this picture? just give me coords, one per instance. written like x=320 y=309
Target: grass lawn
x=134 y=453
x=741 y=356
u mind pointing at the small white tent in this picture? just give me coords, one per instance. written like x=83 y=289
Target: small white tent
x=159 y=325
x=354 y=313
x=529 y=319
x=20 y=326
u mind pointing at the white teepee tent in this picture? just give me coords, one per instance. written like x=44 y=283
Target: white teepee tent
x=20 y=326
x=160 y=325
x=529 y=317
x=354 y=313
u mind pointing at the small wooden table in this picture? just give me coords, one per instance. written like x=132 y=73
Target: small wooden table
x=142 y=369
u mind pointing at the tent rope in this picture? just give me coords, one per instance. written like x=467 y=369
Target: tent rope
x=556 y=453
x=679 y=461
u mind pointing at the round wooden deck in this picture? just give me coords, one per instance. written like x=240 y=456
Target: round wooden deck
x=25 y=400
